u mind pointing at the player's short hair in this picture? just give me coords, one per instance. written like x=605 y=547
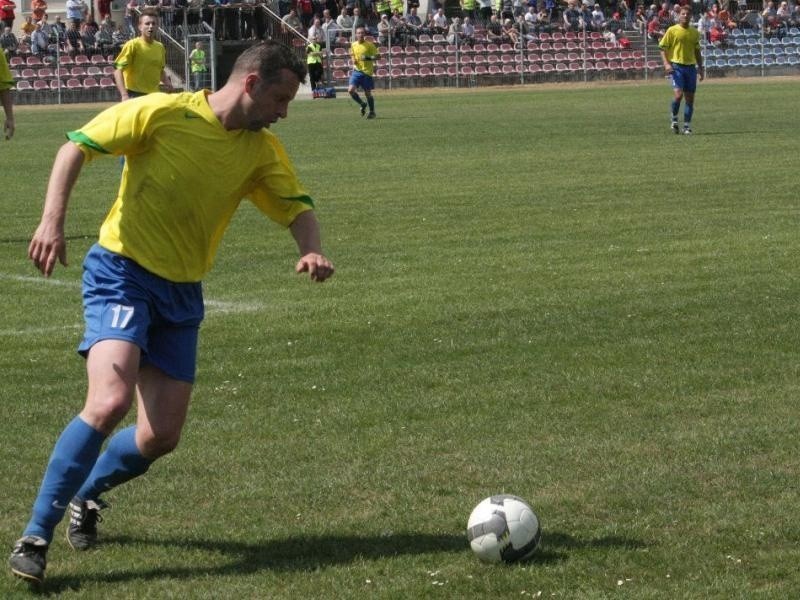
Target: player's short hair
x=150 y=11
x=268 y=59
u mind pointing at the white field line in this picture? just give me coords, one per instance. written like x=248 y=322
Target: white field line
x=213 y=307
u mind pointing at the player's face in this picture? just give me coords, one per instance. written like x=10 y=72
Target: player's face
x=269 y=103
x=360 y=34
x=683 y=18
x=148 y=26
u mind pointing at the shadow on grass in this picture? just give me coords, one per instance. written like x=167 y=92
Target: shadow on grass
x=310 y=553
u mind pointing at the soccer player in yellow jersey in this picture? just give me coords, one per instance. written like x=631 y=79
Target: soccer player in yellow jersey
x=683 y=61
x=191 y=158
x=140 y=64
x=363 y=55
x=6 y=83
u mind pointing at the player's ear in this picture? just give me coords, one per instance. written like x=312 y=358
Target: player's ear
x=250 y=82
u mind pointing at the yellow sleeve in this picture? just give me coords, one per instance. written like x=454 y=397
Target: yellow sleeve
x=6 y=80
x=120 y=129
x=277 y=192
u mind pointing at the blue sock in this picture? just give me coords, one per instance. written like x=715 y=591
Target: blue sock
x=120 y=462
x=371 y=102
x=676 y=105
x=688 y=109
x=73 y=457
x=357 y=98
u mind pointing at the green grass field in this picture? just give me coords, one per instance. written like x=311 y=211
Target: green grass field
x=539 y=291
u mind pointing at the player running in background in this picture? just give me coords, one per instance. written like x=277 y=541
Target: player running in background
x=140 y=64
x=363 y=55
x=683 y=61
x=142 y=295
x=6 y=99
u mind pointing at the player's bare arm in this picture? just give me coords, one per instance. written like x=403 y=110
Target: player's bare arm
x=48 y=243
x=305 y=230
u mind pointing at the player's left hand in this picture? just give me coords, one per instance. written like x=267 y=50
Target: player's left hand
x=701 y=73
x=316 y=265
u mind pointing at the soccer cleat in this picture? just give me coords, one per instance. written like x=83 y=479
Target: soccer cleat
x=675 y=128
x=363 y=109
x=83 y=520
x=371 y=115
x=687 y=130
x=29 y=559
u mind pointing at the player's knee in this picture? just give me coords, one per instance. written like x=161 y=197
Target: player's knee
x=105 y=413
x=155 y=445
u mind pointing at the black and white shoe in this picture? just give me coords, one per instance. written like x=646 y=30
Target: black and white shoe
x=29 y=559
x=675 y=128
x=83 y=520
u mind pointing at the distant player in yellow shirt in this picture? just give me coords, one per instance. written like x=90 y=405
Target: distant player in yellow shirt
x=6 y=83
x=363 y=55
x=191 y=159
x=140 y=64
x=683 y=61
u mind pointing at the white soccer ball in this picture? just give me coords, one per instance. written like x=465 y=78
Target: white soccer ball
x=503 y=528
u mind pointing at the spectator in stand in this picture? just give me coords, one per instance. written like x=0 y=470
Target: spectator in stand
x=7 y=13
x=494 y=30
x=467 y=32
x=88 y=38
x=40 y=41
x=26 y=30
x=131 y=16
x=794 y=16
x=414 y=22
x=530 y=16
x=139 y=68
x=305 y=10
x=552 y=11
x=8 y=42
x=291 y=20
x=38 y=10
x=358 y=21
x=586 y=16
x=73 y=42
x=454 y=32
x=628 y=10
x=640 y=22
x=438 y=22
x=76 y=11
x=769 y=11
x=613 y=29
x=384 y=31
x=345 y=21
x=119 y=37
x=783 y=13
x=58 y=31
x=103 y=9
x=716 y=34
x=510 y=35
x=469 y=8
x=315 y=30
x=6 y=99
x=543 y=24
x=485 y=10
x=571 y=18
x=105 y=40
x=329 y=27
x=598 y=21
x=524 y=30
x=654 y=31
x=665 y=14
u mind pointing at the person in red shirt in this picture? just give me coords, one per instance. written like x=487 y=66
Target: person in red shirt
x=7 y=12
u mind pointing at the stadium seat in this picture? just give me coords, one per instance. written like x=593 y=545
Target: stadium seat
x=16 y=61
x=107 y=82
x=24 y=86
x=93 y=71
x=411 y=72
x=34 y=61
x=40 y=85
x=81 y=59
x=27 y=73
x=98 y=59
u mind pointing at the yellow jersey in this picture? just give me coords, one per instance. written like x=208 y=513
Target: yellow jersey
x=6 y=80
x=364 y=55
x=680 y=44
x=141 y=64
x=183 y=179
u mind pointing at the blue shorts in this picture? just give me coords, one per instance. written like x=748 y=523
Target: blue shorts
x=123 y=301
x=362 y=80
x=684 y=77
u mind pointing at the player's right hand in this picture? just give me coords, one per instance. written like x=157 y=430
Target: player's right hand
x=47 y=245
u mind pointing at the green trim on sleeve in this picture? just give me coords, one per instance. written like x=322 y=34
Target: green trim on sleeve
x=80 y=138
x=303 y=199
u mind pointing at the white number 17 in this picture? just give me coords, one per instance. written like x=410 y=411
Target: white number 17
x=122 y=316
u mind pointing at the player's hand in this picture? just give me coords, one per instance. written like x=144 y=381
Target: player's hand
x=47 y=246
x=9 y=128
x=316 y=265
x=701 y=72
